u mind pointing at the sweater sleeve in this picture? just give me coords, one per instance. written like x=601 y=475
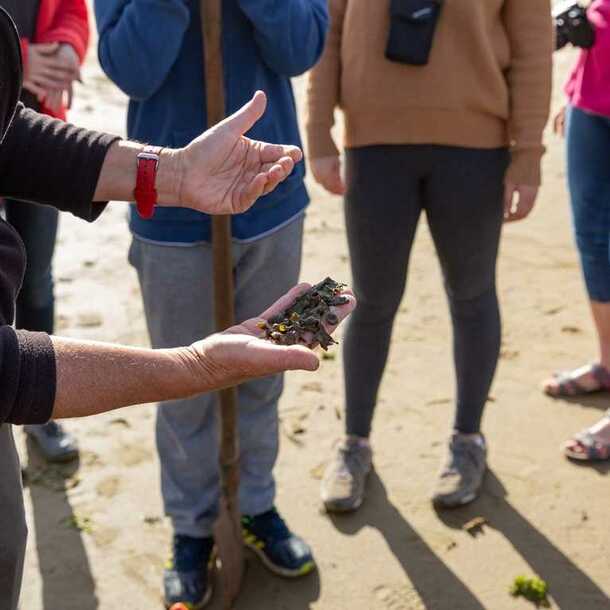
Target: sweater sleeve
x=51 y=162
x=324 y=86
x=139 y=41
x=27 y=360
x=70 y=25
x=27 y=377
x=530 y=32
x=289 y=33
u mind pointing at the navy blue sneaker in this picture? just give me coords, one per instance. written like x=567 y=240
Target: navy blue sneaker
x=278 y=548
x=186 y=578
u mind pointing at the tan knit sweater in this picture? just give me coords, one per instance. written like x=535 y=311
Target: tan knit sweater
x=487 y=84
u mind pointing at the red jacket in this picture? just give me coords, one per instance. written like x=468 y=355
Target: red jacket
x=60 y=21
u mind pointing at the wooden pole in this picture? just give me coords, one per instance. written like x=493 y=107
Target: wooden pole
x=227 y=530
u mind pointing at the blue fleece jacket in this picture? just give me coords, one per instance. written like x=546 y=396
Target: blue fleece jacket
x=152 y=49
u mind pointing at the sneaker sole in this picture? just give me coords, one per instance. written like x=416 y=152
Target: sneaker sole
x=187 y=606
x=342 y=507
x=307 y=568
x=440 y=503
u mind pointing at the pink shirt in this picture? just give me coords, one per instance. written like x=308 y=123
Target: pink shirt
x=588 y=87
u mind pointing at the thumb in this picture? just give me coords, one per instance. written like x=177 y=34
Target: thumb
x=48 y=48
x=242 y=121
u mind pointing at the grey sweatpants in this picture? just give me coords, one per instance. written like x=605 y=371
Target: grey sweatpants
x=13 y=530
x=176 y=283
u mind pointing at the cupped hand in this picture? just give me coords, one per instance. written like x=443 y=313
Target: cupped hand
x=46 y=69
x=239 y=353
x=223 y=172
x=519 y=200
x=327 y=172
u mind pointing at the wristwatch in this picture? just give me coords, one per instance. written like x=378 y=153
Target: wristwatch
x=145 y=193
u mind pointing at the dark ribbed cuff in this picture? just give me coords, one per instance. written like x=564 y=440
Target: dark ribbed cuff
x=37 y=379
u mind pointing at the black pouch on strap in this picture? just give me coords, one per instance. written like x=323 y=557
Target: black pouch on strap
x=412 y=26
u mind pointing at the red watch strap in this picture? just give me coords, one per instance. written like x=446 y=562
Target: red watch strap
x=145 y=192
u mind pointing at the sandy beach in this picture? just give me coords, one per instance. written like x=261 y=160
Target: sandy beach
x=98 y=537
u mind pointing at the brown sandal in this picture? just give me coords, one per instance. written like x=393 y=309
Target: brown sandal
x=586 y=447
x=568 y=386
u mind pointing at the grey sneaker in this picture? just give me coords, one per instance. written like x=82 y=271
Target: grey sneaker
x=55 y=444
x=462 y=475
x=342 y=487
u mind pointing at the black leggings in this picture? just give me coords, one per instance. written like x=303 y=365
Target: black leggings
x=461 y=190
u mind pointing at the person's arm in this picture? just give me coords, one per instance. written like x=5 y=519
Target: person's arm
x=45 y=160
x=322 y=99
x=139 y=41
x=51 y=162
x=70 y=29
x=290 y=34
x=91 y=378
x=71 y=26
x=221 y=172
x=530 y=32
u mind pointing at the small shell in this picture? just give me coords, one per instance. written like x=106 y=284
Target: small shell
x=332 y=319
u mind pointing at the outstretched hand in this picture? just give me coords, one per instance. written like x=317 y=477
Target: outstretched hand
x=239 y=353
x=223 y=172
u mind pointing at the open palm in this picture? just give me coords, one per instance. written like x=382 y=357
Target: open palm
x=223 y=172
x=238 y=354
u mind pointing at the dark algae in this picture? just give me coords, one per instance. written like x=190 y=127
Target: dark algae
x=306 y=320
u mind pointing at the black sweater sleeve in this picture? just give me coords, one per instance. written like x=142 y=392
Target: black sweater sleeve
x=45 y=161
x=27 y=360
x=51 y=162
x=27 y=377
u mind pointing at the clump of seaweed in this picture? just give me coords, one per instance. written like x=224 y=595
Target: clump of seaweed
x=533 y=589
x=306 y=320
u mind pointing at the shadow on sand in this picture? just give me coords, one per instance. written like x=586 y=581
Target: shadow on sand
x=262 y=590
x=64 y=568
x=434 y=582
x=569 y=586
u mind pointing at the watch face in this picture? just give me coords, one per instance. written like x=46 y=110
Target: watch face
x=11 y=71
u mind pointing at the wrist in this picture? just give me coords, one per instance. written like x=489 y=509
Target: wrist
x=169 y=177
x=192 y=376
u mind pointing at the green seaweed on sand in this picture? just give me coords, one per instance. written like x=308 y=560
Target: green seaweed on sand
x=533 y=589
